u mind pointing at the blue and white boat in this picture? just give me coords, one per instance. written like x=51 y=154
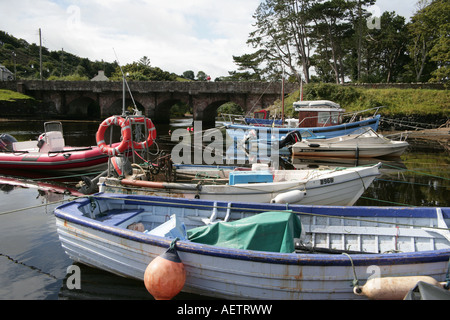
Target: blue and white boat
x=321 y=118
x=292 y=252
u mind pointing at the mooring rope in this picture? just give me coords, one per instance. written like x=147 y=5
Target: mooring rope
x=40 y=205
x=414 y=171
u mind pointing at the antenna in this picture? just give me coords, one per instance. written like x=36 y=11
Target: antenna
x=125 y=83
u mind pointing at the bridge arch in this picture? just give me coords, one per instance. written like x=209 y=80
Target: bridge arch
x=210 y=112
x=117 y=106
x=83 y=107
x=163 y=110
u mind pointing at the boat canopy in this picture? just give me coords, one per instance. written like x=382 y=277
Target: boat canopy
x=268 y=231
x=317 y=105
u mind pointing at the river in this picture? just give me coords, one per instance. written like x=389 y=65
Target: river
x=33 y=266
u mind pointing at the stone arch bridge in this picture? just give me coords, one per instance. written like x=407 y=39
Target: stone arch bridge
x=154 y=98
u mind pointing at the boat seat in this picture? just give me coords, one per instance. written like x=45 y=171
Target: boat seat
x=55 y=140
x=29 y=146
x=117 y=216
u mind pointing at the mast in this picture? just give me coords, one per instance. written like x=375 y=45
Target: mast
x=40 y=53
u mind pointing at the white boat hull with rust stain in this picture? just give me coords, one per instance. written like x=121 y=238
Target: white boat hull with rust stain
x=390 y=242
x=343 y=186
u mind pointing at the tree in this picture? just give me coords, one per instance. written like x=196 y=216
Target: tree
x=429 y=41
x=440 y=52
x=358 y=16
x=141 y=71
x=288 y=33
x=282 y=35
x=388 y=46
x=331 y=31
x=248 y=65
x=201 y=76
x=144 y=61
x=189 y=74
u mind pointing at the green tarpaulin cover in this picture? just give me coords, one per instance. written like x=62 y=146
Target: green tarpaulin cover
x=268 y=231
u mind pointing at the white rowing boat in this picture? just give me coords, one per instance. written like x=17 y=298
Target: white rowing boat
x=316 y=252
x=338 y=186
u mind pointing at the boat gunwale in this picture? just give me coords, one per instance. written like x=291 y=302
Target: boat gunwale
x=315 y=130
x=300 y=259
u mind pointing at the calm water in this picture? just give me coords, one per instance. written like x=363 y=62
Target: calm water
x=34 y=266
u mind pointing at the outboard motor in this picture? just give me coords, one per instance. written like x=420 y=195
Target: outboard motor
x=291 y=138
x=120 y=167
x=6 y=142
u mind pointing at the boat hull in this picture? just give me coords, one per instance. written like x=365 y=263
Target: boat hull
x=244 y=274
x=351 y=146
x=362 y=151
x=326 y=132
x=320 y=187
x=69 y=160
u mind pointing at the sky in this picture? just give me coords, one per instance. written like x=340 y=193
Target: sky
x=176 y=35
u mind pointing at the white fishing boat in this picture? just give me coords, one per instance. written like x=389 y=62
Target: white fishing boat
x=338 y=186
x=316 y=252
x=365 y=144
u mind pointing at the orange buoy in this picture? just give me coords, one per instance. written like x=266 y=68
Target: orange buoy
x=164 y=277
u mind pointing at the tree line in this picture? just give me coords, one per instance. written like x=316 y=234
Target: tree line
x=23 y=60
x=339 y=41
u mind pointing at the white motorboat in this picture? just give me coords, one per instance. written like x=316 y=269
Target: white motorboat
x=367 y=144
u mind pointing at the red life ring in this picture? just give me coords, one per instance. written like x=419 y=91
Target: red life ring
x=126 y=136
x=151 y=132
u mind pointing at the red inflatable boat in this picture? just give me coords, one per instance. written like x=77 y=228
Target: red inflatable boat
x=49 y=153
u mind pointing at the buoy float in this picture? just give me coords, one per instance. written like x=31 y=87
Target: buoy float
x=151 y=131
x=293 y=196
x=165 y=276
x=391 y=288
x=100 y=136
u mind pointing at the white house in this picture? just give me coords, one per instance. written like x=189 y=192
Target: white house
x=100 y=77
x=5 y=74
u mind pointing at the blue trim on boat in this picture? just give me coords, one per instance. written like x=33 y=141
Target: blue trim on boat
x=71 y=213
x=327 y=132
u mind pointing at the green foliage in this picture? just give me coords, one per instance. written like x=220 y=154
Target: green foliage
x=393 y=101
x=430 y=42
x=17 y=54
x=189 y=74
x=404 y=101
x=142 y=71
x=72 y=77
x=64 y=66
x=230 y=108
x=333 y=92
x=338 y=39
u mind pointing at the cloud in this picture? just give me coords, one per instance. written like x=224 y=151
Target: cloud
x=176 y=35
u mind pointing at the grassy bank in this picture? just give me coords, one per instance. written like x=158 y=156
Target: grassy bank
x=396 y=102
x=11 y=96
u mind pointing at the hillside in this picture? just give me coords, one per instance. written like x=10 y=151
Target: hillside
x=19 y=55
